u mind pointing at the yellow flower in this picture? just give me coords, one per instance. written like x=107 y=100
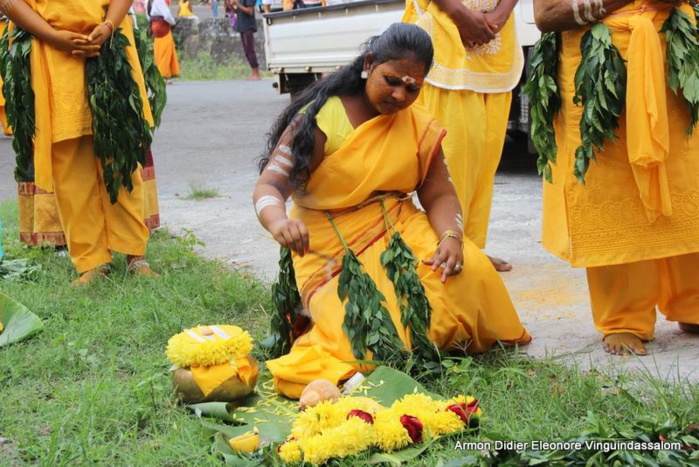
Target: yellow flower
x=290 y=452
x=390 y=433
x=208 y=345
x=313 y=420
x=347 y=439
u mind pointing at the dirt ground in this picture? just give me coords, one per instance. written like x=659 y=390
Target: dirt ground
x=213 y=131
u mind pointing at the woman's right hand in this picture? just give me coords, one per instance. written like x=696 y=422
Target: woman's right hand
x=292 y=234
x=73 y=43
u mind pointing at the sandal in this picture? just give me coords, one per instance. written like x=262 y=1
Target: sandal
x=690 y=328
x=141 y=268
x=91 y=276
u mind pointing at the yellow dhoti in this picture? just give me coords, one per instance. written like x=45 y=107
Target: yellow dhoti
x=469 y=92
x=636 y=218
x=471 y=311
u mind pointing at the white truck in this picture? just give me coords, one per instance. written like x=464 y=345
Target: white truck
x=301 y=45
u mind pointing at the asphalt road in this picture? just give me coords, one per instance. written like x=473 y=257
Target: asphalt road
x=213 y=131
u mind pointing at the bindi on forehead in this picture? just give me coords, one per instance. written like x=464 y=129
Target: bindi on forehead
x=408 y=79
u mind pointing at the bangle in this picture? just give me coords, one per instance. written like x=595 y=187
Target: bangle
x=576 y=13
x=451 y=234
x=110 y=25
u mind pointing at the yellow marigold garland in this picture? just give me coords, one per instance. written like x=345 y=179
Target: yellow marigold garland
x=208 y=345
x=355 y=424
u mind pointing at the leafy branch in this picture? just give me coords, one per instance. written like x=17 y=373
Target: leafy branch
x=545 y=99
x=19 y=106
x=682 y=52
x=600 y=86
x=285 y=295
x=155 y=83
x=121 y=134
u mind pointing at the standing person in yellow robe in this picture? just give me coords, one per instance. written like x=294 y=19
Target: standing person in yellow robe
x=185 y=9
x=65 y=34
x=634 y=224
x=478 y=61
x=349 y=151
x=161 y=23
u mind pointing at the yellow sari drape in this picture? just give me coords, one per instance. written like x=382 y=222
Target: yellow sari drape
x=387 y=154
x=641 y=196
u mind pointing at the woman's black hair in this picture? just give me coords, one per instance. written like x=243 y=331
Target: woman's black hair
x=397 y=42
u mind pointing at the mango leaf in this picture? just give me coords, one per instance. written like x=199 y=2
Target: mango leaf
x=387 y=385
x=19 y=323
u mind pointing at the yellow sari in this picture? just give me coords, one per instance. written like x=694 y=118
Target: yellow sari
x=641 y=196
x=387 y=154
x=469 y=91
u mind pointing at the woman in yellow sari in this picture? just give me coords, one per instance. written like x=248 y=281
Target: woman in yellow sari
x=350 y=151
x=634 y=224
x=65 y=34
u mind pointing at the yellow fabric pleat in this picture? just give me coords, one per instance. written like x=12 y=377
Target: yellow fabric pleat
x=39 y=222
x=606 y=220
x=648 y=134
x=493 y=67
x=165 y=55
x=390 y=154
x=210 y=377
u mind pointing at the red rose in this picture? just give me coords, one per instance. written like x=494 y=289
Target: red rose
x=464 y=411
x=366 y=416
x=414 y=427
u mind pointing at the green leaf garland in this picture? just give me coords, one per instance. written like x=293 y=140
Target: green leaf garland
x=600 y=86
x=545 y=98
x=683 y=61
x=19 y=105
x=285 y=295
x=367 y=324
x=121 y=135
x=155 y=83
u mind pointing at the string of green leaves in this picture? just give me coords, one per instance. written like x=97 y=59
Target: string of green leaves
x=155 y=83
x=682 y=53
x=19 y=105
x=367 y=323
x=545 y=98
x=121 y=134
x=286 y=298
x=400 y=261
x=600 y=86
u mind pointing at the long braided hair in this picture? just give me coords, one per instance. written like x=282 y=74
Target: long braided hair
x=397 y=42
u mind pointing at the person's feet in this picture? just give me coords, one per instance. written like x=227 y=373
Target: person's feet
x=500 y=264
x=138 y=266
x=91 y=276
x=624 y=343
x=690 y=328
x=253 y=78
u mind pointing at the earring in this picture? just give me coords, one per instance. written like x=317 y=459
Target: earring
x=364 y=74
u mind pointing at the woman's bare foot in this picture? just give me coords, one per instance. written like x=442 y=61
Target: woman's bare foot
x=500 y=264
x=624 y=343
x=690 y=328
x=91 y=276
x=253 y=78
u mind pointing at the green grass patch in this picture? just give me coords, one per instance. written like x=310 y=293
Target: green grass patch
x=204 y=68
x=93 y=387
x=200 y=193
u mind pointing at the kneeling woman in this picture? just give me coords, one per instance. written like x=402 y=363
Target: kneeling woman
x=350 y=151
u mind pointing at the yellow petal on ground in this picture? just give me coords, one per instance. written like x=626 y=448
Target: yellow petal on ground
x=247 y=442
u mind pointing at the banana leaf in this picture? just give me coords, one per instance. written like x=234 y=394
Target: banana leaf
x=19 y=323
x=273 y=414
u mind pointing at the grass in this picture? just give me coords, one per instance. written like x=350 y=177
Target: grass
x=200 y=193
x=93 y=387
x=204 y=68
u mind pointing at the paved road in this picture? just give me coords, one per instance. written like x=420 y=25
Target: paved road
x=213 y=131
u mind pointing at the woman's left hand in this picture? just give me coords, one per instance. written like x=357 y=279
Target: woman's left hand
x=449 y=257
x=99 y=34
